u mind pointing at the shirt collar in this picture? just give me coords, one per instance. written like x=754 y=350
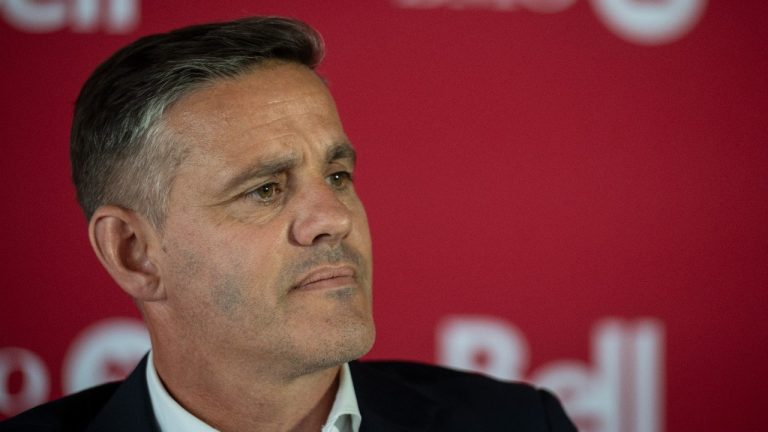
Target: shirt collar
x=171 y=417
x=345 y=414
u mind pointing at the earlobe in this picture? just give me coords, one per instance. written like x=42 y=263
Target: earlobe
x=123 y=241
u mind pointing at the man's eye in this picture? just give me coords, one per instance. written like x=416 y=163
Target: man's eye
x=339 y=179
x=265 y=192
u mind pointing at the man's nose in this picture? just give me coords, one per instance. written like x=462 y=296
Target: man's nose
x=320 y=216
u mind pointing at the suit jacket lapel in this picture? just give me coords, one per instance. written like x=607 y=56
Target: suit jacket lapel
x=129 y=408
x=388 y=404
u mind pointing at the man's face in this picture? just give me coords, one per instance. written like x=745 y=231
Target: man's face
x=266 y=250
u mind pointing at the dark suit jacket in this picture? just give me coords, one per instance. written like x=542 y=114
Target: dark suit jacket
x=392 y=396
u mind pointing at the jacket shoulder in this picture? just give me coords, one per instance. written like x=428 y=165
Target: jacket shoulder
x=451 y=383
x=70 y=413
x=475 y=399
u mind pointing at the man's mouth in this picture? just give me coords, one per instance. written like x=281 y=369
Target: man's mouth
x=328 y=277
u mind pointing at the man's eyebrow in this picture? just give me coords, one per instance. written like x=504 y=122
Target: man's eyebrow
x=271 y=167
x=342 y=150
x=263 y=168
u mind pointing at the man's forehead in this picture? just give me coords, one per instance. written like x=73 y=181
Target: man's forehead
x=268 y=84
x=258 y=99
x=280 y=116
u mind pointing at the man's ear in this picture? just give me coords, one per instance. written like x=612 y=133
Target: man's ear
x=125 y=243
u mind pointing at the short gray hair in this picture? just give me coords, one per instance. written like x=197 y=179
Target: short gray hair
x=120 y=153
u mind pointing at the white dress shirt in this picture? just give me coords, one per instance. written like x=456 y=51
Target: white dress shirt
x=172 y=417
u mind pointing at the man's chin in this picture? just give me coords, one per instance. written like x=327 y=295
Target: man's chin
x=350 y=346
x=356 y=344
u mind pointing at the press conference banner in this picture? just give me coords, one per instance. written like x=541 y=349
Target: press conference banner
x=572 y=193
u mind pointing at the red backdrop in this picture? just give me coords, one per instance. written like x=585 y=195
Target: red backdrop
x=570 y=192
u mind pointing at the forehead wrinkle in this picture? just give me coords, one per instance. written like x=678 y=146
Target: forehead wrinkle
x=289 y=99
x=285 y=123
x=276 y=102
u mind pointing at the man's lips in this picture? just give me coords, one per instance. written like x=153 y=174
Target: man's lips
x=327 y=277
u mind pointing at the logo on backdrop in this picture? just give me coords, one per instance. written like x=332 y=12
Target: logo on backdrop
x=644 y=22
x=621 y=390
x=105 y=351
x=27 y=370
x=650 y=22
x=81 y=16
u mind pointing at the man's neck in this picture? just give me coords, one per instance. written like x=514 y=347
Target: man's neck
x=231 y=398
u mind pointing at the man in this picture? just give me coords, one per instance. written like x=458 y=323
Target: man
x=218 y=182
